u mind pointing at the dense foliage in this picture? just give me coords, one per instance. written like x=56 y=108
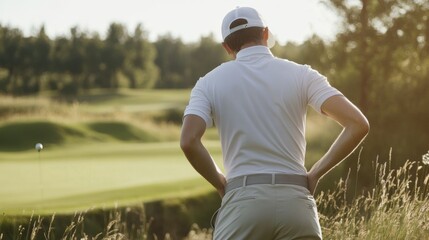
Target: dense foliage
x=69 y=64
x=381 y=61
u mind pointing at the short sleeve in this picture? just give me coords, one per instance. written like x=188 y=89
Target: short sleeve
x=317 y=87
x=199 y=104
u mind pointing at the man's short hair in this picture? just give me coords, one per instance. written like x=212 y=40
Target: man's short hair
x=247 y=35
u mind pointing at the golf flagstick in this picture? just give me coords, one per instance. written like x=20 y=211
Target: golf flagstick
x=40 y=177
x=39 y=147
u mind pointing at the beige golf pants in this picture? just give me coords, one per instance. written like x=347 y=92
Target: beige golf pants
x=267 y=212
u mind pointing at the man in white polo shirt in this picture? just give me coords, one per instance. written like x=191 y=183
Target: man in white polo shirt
x=258 y=103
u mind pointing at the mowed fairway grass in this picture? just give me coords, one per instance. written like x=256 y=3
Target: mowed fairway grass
x=100 y=175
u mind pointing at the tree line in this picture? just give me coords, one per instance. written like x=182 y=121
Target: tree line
x=29 y=64
x=379 y=59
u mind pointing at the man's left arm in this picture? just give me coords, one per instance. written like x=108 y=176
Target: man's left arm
x=355 y=128
x=190 y=141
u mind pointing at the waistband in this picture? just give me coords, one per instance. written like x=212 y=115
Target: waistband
x=274 y=178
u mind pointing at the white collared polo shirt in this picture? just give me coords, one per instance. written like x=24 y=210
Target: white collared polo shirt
x=258 y=103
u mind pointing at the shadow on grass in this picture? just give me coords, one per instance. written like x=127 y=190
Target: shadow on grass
x=121 y=131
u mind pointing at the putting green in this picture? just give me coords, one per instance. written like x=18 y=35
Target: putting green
x=96 y=175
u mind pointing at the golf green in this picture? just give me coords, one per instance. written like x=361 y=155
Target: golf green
x=80 y=177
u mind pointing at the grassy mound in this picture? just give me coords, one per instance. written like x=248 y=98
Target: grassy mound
x=23 y=135
x=19 y=136
x=121 y=131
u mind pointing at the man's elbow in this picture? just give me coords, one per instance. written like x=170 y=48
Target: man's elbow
x=184 y=145
x=187 y=143
x=362 y=127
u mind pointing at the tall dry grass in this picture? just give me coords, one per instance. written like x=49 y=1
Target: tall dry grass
x=397 y=207
x=119 y=227
x=14 y=108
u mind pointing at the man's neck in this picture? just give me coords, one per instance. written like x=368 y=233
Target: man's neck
x=247 y=45
x=252 y=44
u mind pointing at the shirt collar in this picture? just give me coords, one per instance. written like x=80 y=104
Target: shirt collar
x=254 y=50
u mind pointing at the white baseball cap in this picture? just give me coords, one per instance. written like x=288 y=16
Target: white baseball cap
x=253 y=18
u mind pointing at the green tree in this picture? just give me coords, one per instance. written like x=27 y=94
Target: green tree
x=313 y=51
x=114 y=54
x=173 y=60
x=68 y=63
x=207 y=55
x=10 y=42
x=23 y=80
x=380 y=59
x=41 y=57
x=140 y=66
x=93 y=65
x=76 y=54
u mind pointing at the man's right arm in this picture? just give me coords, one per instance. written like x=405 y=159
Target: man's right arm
x=355 y=128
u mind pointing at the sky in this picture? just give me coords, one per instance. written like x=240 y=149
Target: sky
x=288 y=20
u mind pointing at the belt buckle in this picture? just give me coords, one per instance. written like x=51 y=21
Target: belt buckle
x=244 y=181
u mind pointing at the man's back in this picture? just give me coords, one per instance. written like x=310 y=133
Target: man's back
x=258 y=102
